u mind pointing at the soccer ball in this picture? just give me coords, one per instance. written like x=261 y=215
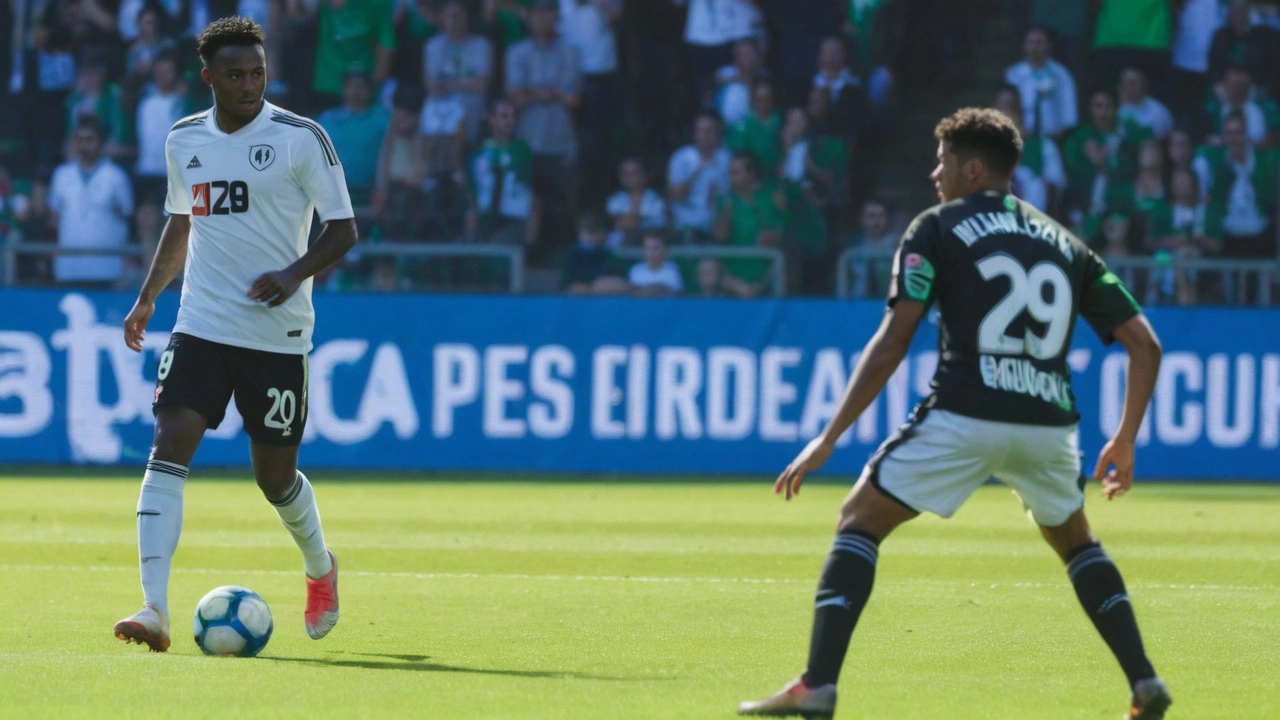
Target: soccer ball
x=232 y=620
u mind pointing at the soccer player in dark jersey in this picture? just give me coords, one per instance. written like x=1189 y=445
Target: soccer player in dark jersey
x=1009 y=283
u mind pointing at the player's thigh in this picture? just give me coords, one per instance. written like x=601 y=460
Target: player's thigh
x=193 y=373
x=935 y=462
x=271 y=395
x=1043 y=468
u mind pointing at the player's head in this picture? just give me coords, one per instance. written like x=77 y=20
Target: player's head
x=235 y=65
x=87 y=138
x=978 y=149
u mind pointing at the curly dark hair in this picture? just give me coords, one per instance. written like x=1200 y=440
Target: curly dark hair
x=228 y=31
x=986 y=134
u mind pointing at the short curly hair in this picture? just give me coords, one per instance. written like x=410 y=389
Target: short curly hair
x=986 y=134
x=232 y=31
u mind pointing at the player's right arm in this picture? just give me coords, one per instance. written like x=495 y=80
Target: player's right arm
x=170 y=255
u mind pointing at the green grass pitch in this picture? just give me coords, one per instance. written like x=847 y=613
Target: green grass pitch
x=470 y=599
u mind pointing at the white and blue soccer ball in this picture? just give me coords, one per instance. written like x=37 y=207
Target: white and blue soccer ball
x=232 y=620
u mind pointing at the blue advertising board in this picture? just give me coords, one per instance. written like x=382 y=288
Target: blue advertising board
x=687 y=386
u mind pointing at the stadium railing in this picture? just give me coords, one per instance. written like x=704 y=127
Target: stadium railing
x=856 y=265
x=513 y=255
x=777 y=275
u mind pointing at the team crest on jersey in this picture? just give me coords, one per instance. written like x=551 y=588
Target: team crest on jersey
x=261 y=156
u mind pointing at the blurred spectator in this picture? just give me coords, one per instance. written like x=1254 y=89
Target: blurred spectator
x=875 y=238
x=589 y=267
x=443 y=126
x=458 y=66
x=1070 y=21
x=714 y=282
x=733 y=99
x=506 y=20
x=543 y=82
x=506 y=208
x=656 y=275
x=804 y=26
x=92 y=202
x=805 y=187
x=711 y=28
x=1113 y=239
x=1237 y=94
x=1240 y=182
x=1046 y=87
x=386 y=276
x=353 y=36
x=697 y=177
x=95 y=97
x=1040 y=177
x=846 y=101
x=832 y=153
x=1133 y=33
x=1180 y=152
x=657 y=28
x=1101 y=156
x=1191 y=44
x=25 y=217
x=146 y=46
x=759 y=133
x=1186 y=228
x=399 y=199
x=130 y=15
x=636 y=208
x=1141 y=108
x=1241 y=43
x=164 y=104
x=588 y=26
x=357 y=130
x=752 y=215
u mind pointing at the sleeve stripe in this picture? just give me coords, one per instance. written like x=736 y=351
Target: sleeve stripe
x=191 y=121
x=329 y=153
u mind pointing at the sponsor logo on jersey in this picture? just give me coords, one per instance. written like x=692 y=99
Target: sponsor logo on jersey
x=195 y=163
x=917 y=277
x=1019 y=375
x=261 y=156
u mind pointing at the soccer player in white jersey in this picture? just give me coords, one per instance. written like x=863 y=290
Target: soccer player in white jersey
x=244 y=180
x=1009 y=283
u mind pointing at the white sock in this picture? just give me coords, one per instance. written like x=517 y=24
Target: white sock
x=159 y=525
x=298 y=512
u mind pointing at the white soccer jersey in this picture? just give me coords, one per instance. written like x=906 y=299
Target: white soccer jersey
x=250 y=196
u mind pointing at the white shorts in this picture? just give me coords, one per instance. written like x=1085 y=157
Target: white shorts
x=935 y=462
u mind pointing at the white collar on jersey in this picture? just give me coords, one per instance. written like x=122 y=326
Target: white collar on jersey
x=264 y=116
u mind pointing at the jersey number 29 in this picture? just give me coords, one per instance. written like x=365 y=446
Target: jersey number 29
x=220 y=197
x=1026 y=292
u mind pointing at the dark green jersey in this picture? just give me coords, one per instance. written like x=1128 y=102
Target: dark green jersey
x=1009 y=282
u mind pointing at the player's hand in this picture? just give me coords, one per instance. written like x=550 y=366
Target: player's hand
x=274 y=288
x=135 y=324
x=1115 y=468
x=812 y=458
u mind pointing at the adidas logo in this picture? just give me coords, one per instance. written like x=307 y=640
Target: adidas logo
x=195 y=162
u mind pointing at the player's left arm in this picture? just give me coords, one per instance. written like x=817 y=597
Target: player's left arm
x=317 y=171
x=879 y=360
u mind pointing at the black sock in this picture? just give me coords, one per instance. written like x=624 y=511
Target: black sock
x=843 y=590
x=1101 y=591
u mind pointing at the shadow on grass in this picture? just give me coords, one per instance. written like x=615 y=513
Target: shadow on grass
x=419 y=663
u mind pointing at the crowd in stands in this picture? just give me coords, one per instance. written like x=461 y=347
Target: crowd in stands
x=589 y=131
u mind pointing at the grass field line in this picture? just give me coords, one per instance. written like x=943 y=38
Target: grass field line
x=678 y=580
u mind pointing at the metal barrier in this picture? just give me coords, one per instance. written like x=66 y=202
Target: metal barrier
x=514 y=255
x=777 y=261
x=855 y=265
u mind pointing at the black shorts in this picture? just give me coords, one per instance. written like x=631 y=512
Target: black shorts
x=270 y=388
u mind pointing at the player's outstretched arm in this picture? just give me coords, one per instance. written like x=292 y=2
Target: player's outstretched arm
x=1115 y=462
x=170 y=256
x=336 y=238
x=879 y=360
